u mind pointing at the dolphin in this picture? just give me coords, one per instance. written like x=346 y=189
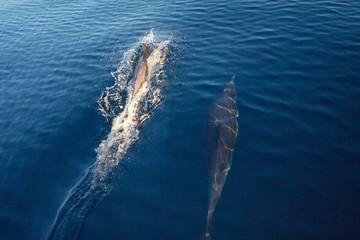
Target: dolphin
x=143 y=70
x=221 y=133
x=99 y=179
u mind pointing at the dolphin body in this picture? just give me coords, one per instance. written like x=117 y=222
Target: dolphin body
x=221 y=133
x=98 y=181
x=143 y=70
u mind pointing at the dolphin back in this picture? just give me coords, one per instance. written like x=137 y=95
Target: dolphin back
x=222 y=128
x=147 y=51
x=147 y=62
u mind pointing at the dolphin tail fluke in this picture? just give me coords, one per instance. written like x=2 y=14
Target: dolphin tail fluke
x=205 y=237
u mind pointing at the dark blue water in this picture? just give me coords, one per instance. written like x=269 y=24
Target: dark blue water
x=296 y=166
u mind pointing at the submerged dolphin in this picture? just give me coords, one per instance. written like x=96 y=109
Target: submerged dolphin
x=143 y=71
x=222 y=131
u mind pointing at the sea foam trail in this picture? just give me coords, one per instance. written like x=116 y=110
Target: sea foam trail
x=125 y=113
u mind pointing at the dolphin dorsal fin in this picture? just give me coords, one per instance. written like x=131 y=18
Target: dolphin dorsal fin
x=146 y=51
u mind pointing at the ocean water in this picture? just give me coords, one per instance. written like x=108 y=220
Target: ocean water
x=65 y=74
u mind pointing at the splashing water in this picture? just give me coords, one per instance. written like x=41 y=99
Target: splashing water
x=125 y=113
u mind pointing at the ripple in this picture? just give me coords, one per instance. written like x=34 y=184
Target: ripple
x=297 y=70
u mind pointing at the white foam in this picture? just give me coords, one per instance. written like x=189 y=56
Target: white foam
x=124 y=131
x=125 y=113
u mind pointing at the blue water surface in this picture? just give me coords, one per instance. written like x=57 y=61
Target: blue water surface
x=296 y=166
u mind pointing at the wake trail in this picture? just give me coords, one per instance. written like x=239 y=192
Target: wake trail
x=125 y=113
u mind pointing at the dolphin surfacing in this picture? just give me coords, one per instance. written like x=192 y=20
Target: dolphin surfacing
x=143 y=71
x=221 y=133
x=98 y=181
